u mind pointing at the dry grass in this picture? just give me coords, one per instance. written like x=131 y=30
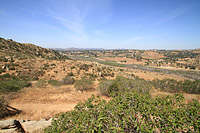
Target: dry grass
x=40 y=103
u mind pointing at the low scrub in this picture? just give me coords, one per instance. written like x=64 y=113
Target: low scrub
x=68 y=80
x=3 y=107
x=54 y=82
x=130 y=111
x=13 y=85
x=83 y=84
x=119 y=84
x=174 y=86
x=41 y=84
x=105 y=87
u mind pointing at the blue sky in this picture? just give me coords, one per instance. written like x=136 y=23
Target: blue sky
x=135 y=24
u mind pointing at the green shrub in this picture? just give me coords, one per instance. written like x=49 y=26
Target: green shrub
x=5 y=60
x=174 y=86
x=68 y=80
x=41 y=83
x=84 y=67
x=104 y=87
x=119 y=84
x=130 y=111
x=56 y=71
x=83 y=84
x=54 y=82
x=2 y=70
x=70 y=74
x=13 y=85
x=12 y=68
x=72 y=67
x=5 y=76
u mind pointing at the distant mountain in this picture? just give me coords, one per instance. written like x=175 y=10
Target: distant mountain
x=10 y=47
x=76 y=49
x=81 y=49
x=72 y=49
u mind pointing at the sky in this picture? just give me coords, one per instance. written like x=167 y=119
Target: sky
x=110 y=24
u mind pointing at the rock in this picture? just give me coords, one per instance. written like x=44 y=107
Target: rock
x=14 y=126
x=32 y=126
x=11 y=130
x=50 y=119
x=7 y=123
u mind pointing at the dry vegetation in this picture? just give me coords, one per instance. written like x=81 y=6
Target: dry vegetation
x=46 y=82
x=39 y=103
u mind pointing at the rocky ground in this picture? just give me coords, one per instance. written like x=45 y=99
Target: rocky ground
x=15 y=126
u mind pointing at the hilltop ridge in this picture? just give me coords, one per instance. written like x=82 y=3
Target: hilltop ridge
x=13 y=48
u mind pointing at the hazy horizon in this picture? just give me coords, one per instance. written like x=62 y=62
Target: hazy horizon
x=107 y=24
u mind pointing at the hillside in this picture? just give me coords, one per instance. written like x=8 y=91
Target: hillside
x=40 y=83
x=10 y=48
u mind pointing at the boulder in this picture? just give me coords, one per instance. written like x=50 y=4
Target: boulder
x=32 y=126
x=14 y=126
x=7 y=123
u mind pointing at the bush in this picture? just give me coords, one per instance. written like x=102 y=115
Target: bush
x=130 y=111
x=2 y=70
x=72 y=67
x=55 y=82
x=68 y=80
x=104 y=87
x=174 y=86
x=70 y=74
x=3 y=107
x=13 y=85
x=5 y=60
x=41 y=83
x=84 y=67
x=114 y=87
x=5 y=76
x=12 y=68
x=83 y=84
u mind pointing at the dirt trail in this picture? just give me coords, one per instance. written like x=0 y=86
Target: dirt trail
x=43 y=103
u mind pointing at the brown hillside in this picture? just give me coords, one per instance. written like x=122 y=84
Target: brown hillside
x=19 y=50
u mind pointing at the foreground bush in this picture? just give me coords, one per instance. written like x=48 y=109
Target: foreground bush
x=83 y=84
x=130 y=111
